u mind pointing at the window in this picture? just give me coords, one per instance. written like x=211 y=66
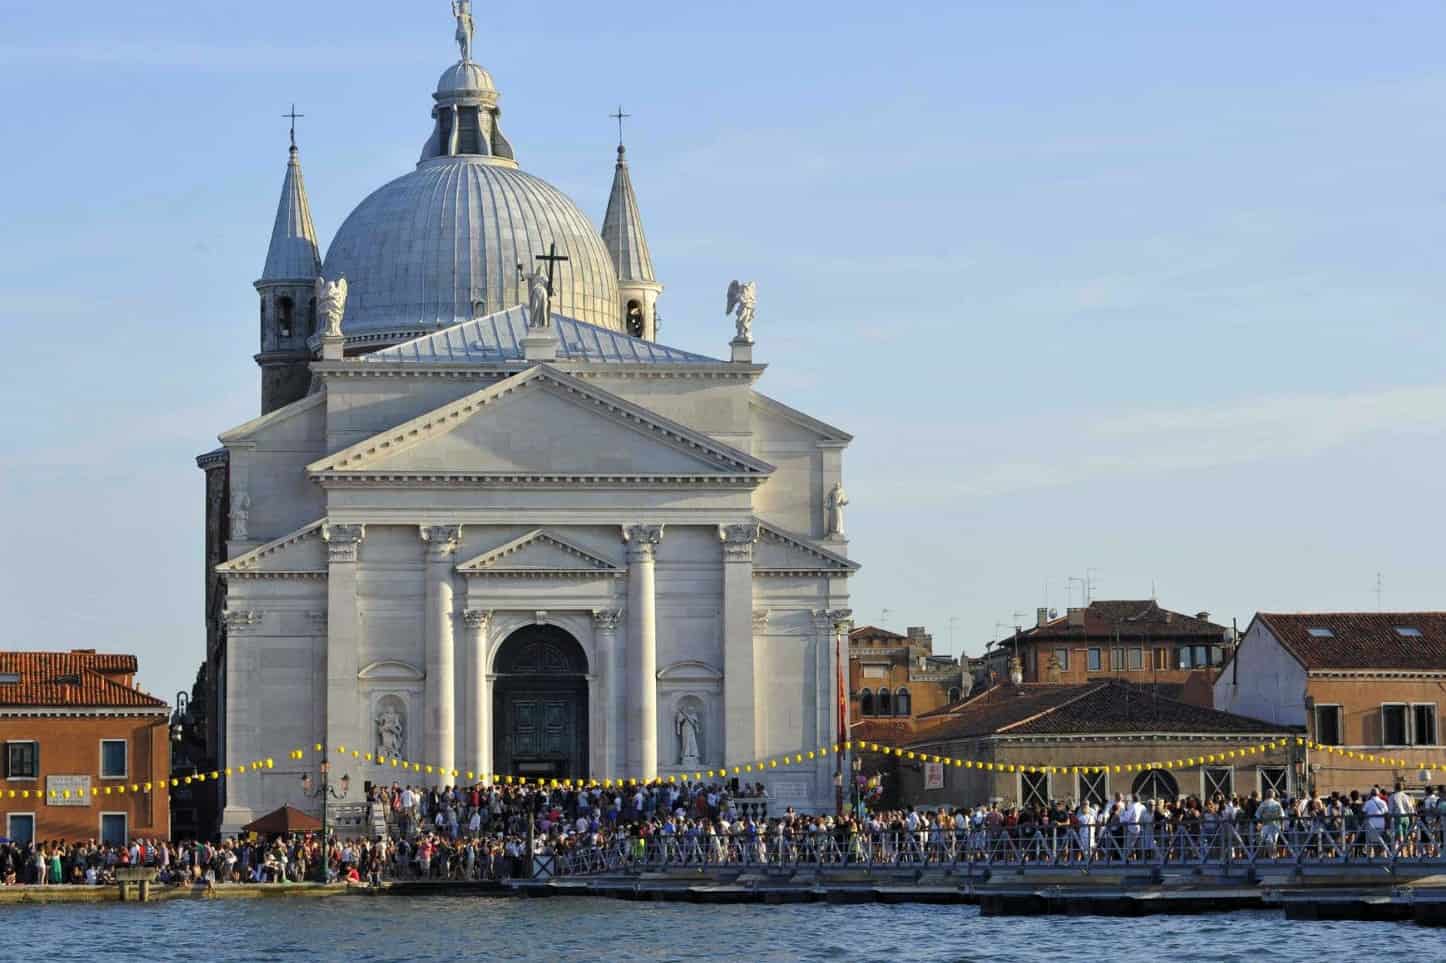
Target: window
x=954 y=694
x=1320 y=633
x=113 y=829
x=1408 y=632
x=1423 y=724
x=866 y=703
x=1117 y=659
x=1393 y=725
x=9 y=678
x=1184 y=659
x=1274 y=778
x=311 y=317
x=903 y=705
x=113 y=759
x=1094 y=660
x=1094 y=786
x=1217 y=655
x=1137 y=659
x=1034 y=789
x=1217 y=779
x=1200 y=655
x=20 y=827
x=1062 y=656
x=886 y=703
x=284 y=309
x=22 y=760
x=1162 y=659
x=1156 y=784
x=1328 y=725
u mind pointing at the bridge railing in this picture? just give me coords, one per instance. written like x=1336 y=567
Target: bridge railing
x=1219 y=844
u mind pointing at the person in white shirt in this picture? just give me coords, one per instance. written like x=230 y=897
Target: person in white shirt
x=1375 y=809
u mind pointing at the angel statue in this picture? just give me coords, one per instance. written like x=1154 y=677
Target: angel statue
x=331 y=304
x=462 y=10
x=742 y=303
x=539 y=298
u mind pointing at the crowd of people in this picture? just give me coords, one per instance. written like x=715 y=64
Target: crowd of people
x=497 y=832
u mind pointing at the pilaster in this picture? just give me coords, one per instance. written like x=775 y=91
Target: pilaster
x=610 y=659
x=743 y=729
x=480 y=703
x=343 y=545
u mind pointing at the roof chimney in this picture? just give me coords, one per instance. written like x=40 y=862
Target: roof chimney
x=1076 y=617
x=1041 y=616
x=1203 y=616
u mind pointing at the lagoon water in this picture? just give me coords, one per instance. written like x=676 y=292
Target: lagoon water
x=451 y=928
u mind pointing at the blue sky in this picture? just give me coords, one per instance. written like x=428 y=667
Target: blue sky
x=1150 y=289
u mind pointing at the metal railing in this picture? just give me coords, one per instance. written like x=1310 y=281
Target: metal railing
x=1388 y=840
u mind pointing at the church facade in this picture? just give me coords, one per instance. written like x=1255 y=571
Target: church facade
x=489 y=522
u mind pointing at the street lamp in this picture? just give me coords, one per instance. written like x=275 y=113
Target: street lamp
x=326 y=791
x=181 y=719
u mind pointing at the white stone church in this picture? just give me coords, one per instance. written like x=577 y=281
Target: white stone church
x=463 y=534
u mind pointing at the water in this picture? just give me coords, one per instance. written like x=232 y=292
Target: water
x=446 y=928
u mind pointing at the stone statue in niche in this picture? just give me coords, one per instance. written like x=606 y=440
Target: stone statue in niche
x=690 y=736
x=391 y=732
x=836 y=502
x=240 y=516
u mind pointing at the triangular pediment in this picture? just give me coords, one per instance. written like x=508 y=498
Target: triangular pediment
x=781 y=552
x=300 y=554
x=541 y=423
x=540 y=553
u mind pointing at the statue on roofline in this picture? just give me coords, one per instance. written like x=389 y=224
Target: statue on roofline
x=743 y=304
x=466 y=29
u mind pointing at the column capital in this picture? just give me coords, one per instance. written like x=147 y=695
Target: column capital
x=342 y=541
x=738 y=541
x=606 y=620
x=477 y=619
x=442 y=540
x=642 y=540
x=843 y=620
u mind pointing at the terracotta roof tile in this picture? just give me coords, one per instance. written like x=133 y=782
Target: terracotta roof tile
x=1362 y=640
x=1103 y=707
x=70 y=680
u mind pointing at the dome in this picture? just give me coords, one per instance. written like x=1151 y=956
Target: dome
x=442 y=244
x=464 y=77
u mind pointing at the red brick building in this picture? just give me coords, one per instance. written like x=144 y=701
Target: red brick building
x=893 y=679
x=1133 y=641
x=75 y=722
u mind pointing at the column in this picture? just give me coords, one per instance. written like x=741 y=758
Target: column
x=479 y=725
x=743 y=737
x=439 y=732
x=610 y=661
x=642 y=662
x=343 y=713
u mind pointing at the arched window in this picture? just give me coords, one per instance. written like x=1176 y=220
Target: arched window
x=1156 y=784
x=285 y=308
x=311 y=318
x=903 y=705
x=954 y=694
x=635 y=319
x=866 y=703
x=886 y=703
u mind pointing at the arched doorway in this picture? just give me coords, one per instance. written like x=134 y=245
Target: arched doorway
x=1156 y=784
x=539 y=705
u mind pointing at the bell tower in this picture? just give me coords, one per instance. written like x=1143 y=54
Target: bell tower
x=622 y=232
x=288 y=292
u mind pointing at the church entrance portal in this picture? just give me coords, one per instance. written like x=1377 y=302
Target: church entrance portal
x=539 y=705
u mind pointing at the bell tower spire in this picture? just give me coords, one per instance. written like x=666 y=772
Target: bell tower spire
x=287 y=290
x=622 y=232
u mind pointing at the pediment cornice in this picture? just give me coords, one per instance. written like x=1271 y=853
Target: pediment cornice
x=248 y=564
x=571 y=560
x=722 y=459
x=822 y=561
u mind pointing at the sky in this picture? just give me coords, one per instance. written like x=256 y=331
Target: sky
x=1141 y=293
